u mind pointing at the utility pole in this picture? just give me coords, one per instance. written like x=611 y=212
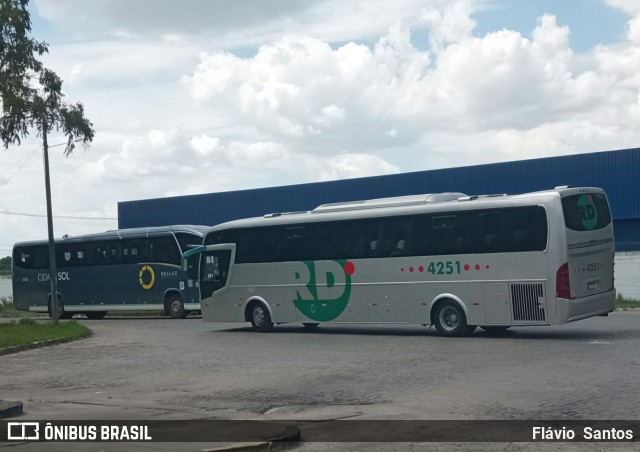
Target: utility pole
x=53 y=273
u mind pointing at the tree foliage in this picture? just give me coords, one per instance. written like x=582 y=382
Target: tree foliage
x=31 y=95
x=5 y=264
x=32 y=98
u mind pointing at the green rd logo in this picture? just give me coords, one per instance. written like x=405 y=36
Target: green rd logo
x=326 y=288
x=588 y=212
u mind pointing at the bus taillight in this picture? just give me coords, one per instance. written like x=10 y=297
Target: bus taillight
x=563 y=285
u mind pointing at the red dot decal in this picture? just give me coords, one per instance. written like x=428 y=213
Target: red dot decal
x=349 y=268
x=466 y=267
x=421 y=269
x=477 y=267
x=411 y=269
x=487 y=266
x=402 y=269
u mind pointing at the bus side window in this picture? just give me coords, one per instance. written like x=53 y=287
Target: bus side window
x=521 y=241
x=71 y=256
x=462 y=242
x=399 y=248
x=293 y=244
x=442 y=230
x=491 y=243
x=126 y=252
x=214 y=271
x=164 y=249
x=99 y=255
x=210 y=268
x=192 y=266
x=350 y=239
x=388 y=247
x=186 y=241
x=32 y=257
x=132 y=251
x=356 y=249
x=488 y=227
x=421 y=227
x=115 y=252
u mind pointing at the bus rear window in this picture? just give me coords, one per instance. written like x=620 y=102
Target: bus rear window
x=586 y=212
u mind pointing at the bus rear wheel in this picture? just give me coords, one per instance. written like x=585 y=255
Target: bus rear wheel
x=62 y=314
x=175 y=307
x=260 y=318
x=450 y=320
x=95 y=315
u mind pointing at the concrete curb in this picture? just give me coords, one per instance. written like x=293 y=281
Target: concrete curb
x=287 y=440
x=10 y=409
x=267 y=446
x=25 y=347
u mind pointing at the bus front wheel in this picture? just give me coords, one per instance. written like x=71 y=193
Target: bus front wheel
x=450 y=320
x=260 y=318
x=175 y=307
x=62 y=314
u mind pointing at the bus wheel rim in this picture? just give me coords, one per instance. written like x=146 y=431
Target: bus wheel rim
x=175 y=305
x=449 y=318
x=258 y=316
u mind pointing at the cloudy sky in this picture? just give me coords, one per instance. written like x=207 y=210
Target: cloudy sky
x=199 y=96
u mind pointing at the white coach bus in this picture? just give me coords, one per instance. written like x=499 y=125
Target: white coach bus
x=448 y=260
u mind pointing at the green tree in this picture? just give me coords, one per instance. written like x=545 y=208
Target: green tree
x=5 y=264
x=32 y=99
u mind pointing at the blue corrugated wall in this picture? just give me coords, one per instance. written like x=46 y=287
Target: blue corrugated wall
x=617 y=172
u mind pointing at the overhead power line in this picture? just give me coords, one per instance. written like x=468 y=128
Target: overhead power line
x=72 y=217
x=20 y=164
x=20 y=147
x=23 y=161
x=20 y=160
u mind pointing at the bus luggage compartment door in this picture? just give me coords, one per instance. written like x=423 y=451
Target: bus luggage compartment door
x=497 y=309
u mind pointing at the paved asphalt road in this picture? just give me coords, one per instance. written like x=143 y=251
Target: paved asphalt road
x=156 y=368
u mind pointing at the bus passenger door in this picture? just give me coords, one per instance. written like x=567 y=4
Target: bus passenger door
x=215 y=269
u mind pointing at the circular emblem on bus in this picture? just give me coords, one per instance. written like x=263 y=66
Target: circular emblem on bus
x=588 y=211
x=146 y=282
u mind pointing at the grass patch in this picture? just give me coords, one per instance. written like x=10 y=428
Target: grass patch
x=28 y=331
x=627 y=303
x=8 y=310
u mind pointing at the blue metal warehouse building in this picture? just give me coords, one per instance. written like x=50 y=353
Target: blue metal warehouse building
x=618 y=172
